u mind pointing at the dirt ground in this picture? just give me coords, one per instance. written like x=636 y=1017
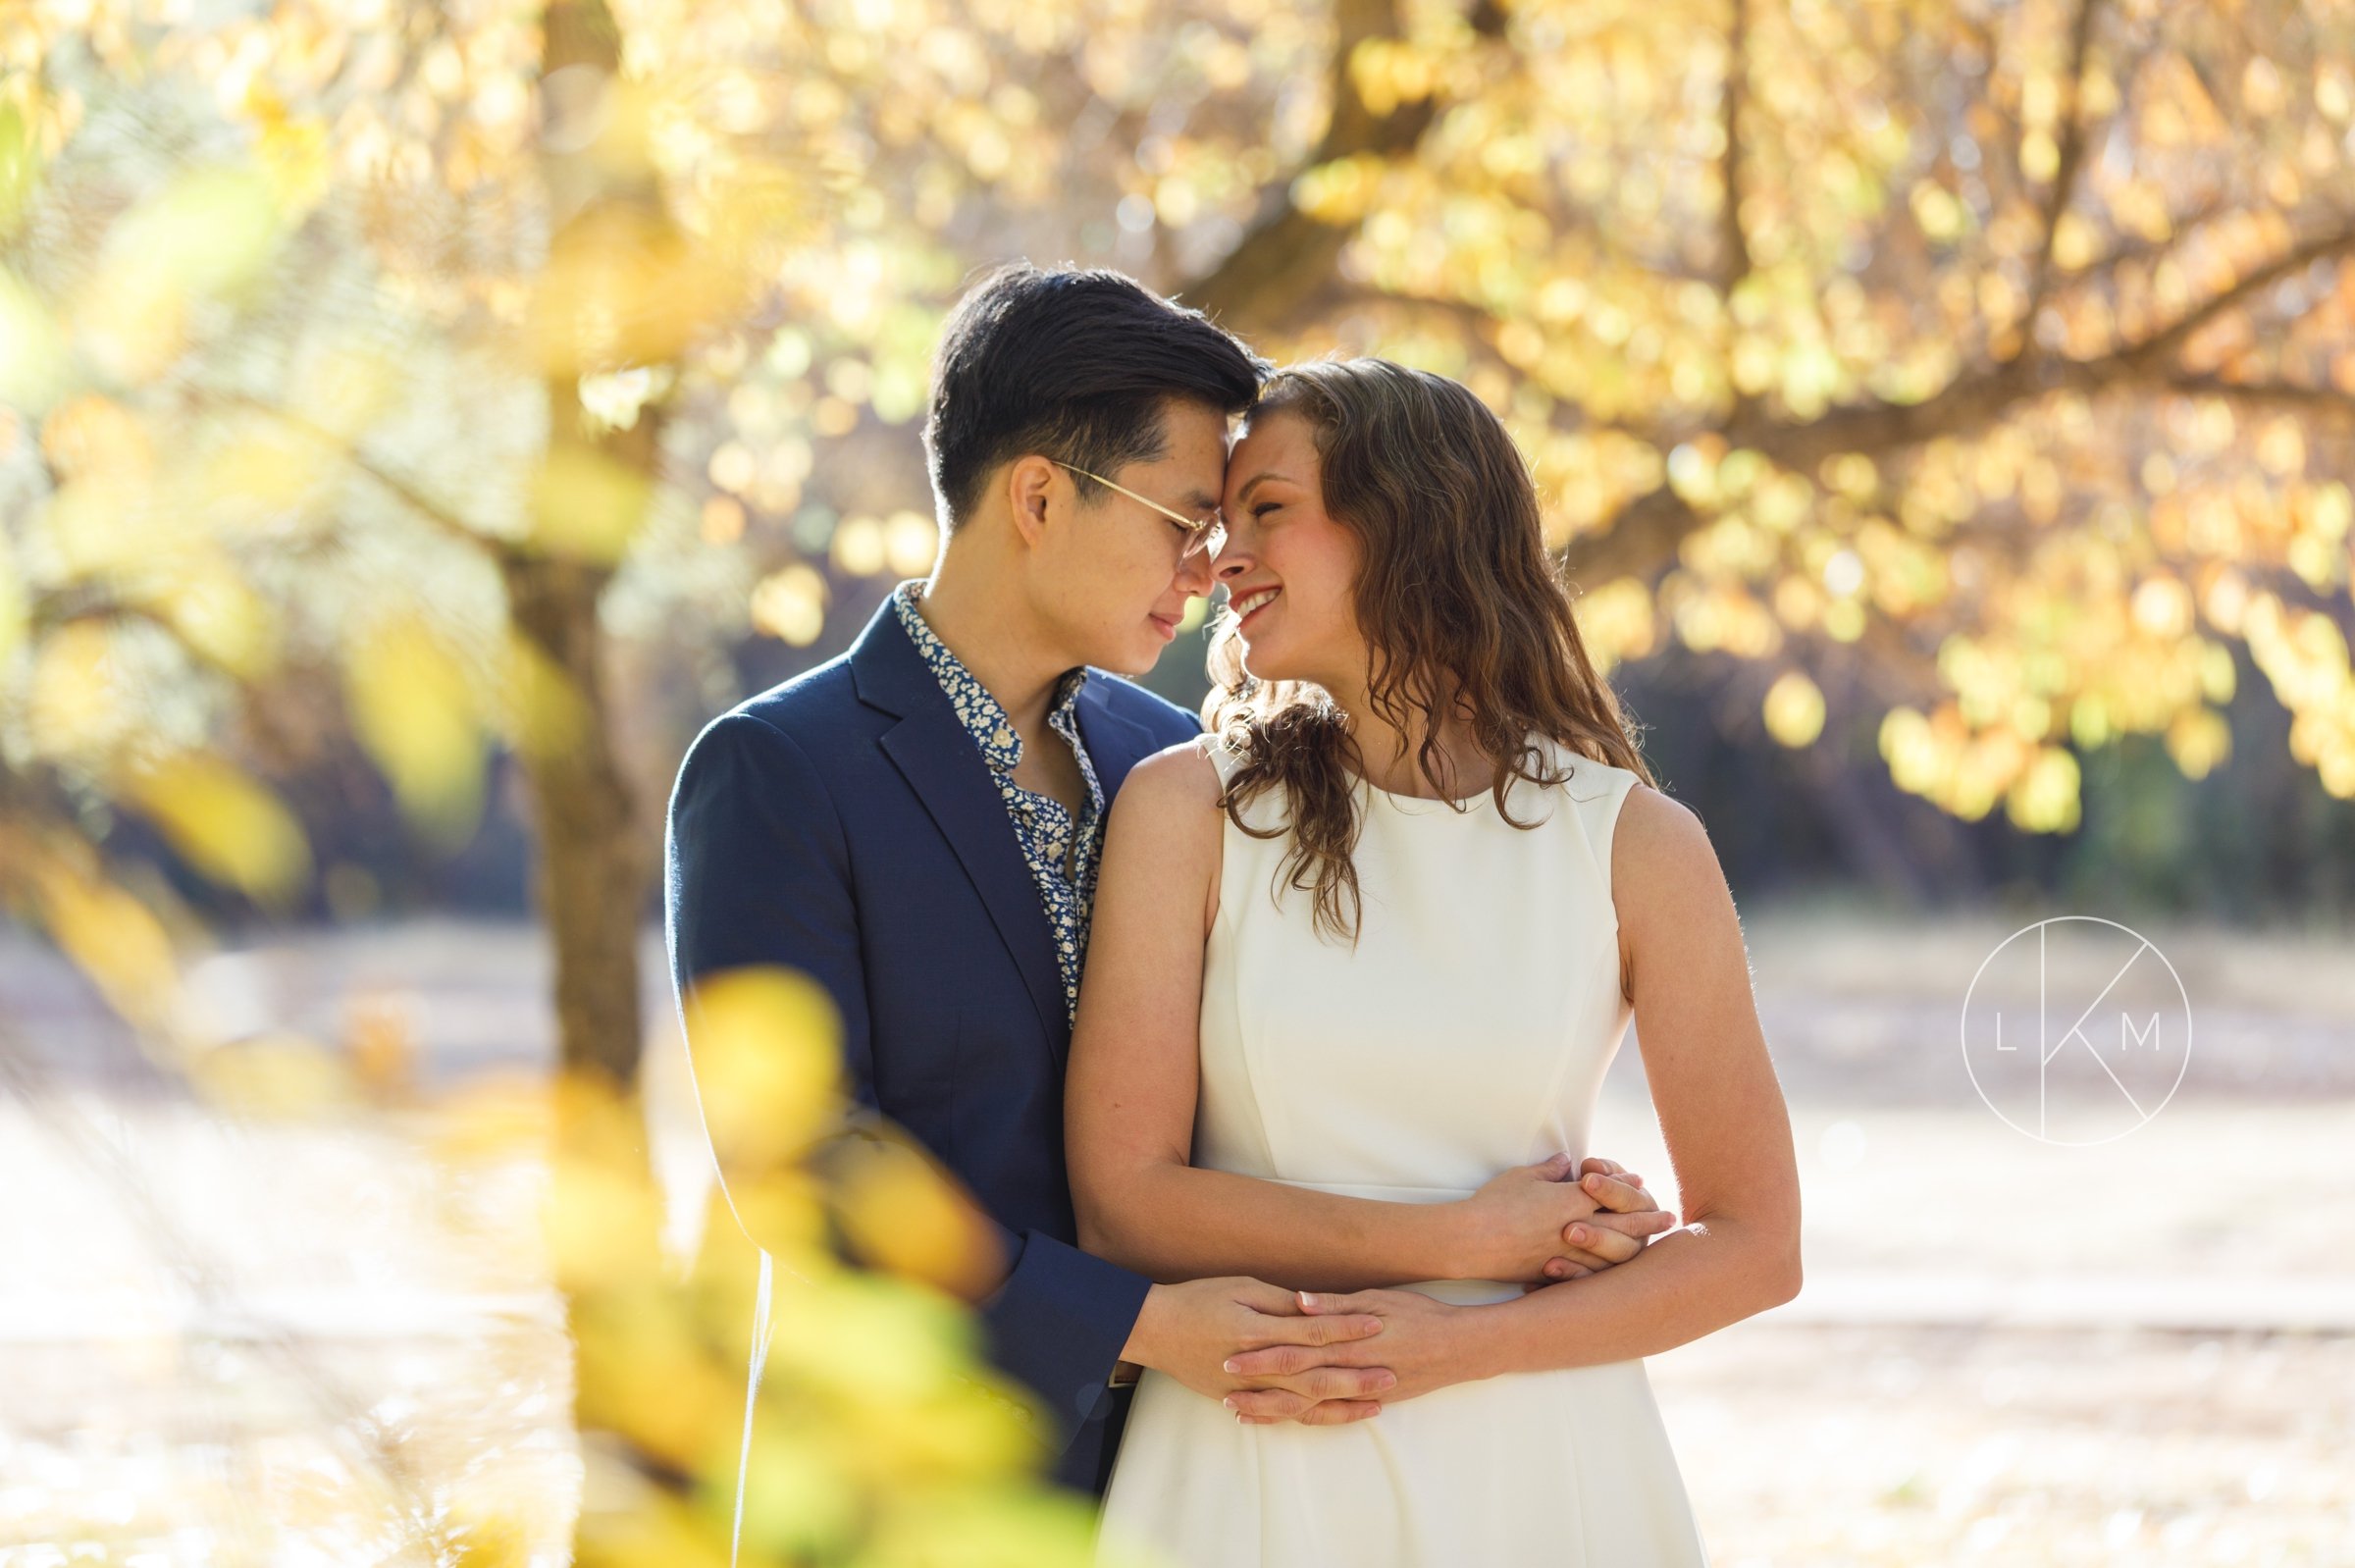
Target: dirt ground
x=243 y=1339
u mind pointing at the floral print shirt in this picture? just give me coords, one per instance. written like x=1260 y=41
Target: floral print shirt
x=1063 y=854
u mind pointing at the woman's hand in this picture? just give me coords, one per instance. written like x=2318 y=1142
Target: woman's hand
x=1627 y=1221
x=1534 y=1225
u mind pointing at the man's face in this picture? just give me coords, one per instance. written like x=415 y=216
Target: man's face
x=1115 y=579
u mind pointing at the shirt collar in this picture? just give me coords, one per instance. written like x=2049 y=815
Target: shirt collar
x=983 y=716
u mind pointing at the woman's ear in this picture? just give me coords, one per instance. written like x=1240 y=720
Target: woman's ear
x=1029 y=484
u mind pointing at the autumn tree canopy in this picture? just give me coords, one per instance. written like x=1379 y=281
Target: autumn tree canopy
x=419 y=363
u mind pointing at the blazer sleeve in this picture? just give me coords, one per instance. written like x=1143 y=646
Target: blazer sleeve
x=757 y=870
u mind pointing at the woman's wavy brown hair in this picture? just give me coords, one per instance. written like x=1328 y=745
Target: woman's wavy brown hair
x=1460 y=603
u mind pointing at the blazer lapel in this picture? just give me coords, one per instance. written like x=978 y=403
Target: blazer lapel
x=944 y=767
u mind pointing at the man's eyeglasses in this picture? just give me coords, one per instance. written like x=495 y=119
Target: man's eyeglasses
x=1203 y=533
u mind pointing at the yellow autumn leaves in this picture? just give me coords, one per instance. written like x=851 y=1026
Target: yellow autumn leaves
x=879 y=1437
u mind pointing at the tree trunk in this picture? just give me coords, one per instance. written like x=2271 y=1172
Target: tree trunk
x=592 y=872
x=592 y=866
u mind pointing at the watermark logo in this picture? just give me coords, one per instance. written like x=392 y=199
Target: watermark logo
x=2076 y=1030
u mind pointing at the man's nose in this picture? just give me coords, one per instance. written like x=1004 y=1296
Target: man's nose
x=1194 y=574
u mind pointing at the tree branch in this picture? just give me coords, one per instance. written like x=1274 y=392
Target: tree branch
x=443 y=521
x=2106 y=268
x=1656 y=524
x=2065 y=175
x=2291 y=398
x=1641 y=541
x=1735 y=242
x=1285 y=257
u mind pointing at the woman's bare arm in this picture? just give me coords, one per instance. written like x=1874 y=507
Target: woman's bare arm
x=1134 y=1076
x=1720 y=1110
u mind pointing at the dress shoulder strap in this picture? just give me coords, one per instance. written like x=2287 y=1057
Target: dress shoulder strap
x=1597 y=790
x=1221 y=759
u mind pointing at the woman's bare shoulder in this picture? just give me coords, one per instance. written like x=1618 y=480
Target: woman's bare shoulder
x=1662 y=856
x=1164 y=826
x=1172 y=779
x=1170 y=798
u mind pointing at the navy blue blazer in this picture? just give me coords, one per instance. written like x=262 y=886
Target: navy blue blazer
x=844 y=825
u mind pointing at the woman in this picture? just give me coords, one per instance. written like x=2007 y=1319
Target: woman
x=1378 y=934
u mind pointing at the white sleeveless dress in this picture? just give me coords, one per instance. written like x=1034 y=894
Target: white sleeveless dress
x=1467 y=1032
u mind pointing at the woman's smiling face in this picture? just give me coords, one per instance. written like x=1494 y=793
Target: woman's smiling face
x=1291 y=569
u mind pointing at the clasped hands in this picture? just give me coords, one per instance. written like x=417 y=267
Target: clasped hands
x=1274 y=1355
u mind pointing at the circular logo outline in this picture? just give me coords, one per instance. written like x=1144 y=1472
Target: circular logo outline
x=2147 y=1116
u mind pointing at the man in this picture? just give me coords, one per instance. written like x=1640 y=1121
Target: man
x=917 y=823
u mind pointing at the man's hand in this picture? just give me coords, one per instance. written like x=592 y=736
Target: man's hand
x=1428 y=1345
x=1425 y=1344
x=1197 y=1331
x=1624 y=1221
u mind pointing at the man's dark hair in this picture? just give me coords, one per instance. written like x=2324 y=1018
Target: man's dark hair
x=1071 y=364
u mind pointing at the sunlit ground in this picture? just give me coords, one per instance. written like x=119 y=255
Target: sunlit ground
x=295 y=1338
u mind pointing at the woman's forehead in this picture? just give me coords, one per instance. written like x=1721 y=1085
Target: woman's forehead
x=1278 y=444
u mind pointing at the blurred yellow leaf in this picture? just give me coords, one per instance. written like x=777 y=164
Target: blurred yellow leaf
x=344 y=386
x=649 y=1528
x=257 y=478
x=861 y=547
x=766 y=1045
x=911 y=542
x=906 y=1214
x=413 y=709
x=380 y=1041
x=95 y=436
x=586 y=504
x=801 y=1502
x=227 y=825
x=644 y=1372
x=790 y=604
x=2045 y=799
x=541 y=711
x=218 y=614
x=78 y=691
x=106 y=525
x=601 y=1216
x=623 y=288
x=208 y=233
x=19 y=167
x=494 y=1117
x=293 y=149
x=1794 y=709
x=14 y=612
x=111 y=937
x=273 y=1076
x=33 y=352
x=490 y=1540
x=870 y=1339
x=983 y=1528
x=1618 y=621
x=2200 y=741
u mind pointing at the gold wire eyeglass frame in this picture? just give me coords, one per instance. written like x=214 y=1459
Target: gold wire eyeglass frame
x=1203 y=533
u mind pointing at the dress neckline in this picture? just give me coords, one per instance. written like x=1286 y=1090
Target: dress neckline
x=1428 y=805
x=1482 y=803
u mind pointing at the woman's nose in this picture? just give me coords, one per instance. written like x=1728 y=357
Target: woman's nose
x=1234 y=558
